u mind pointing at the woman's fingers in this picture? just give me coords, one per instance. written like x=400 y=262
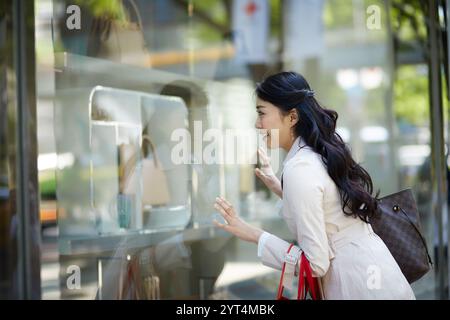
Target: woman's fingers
x=225 y=205
x=222 y=211
x=262 y=152
x=263 y=157
x=266 y=178
x=220 y=205
x=260 y=173
x=227 y=211
x=226 y=202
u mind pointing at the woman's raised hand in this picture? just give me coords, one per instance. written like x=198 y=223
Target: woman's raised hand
x=235 y=225
x=267 y=175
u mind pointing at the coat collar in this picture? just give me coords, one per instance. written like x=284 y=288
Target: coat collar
x=296 y=146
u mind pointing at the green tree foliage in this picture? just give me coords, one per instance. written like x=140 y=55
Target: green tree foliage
x=107 y=8
x=411 y=95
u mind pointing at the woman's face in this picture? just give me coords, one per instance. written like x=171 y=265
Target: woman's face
x=270 y=120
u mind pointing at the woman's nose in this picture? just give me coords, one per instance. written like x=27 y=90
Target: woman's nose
x=258 y=124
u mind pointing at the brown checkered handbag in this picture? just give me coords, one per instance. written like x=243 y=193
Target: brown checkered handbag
x=397 y=224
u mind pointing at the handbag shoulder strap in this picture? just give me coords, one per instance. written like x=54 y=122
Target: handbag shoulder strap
x=127 y=169
x=303 y=287
x=280 y=286
x=396 y=208
x=146 y=138
x=137 y=13
x=305 y=271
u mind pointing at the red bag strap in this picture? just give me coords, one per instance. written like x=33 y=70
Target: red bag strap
x=306 y=282
x=280 y=286
x=310 y=285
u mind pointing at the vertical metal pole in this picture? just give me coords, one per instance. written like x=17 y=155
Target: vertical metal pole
x=438 y=165
x=28 y=237
x=390 y=118
x=281 y=37
x=447 y=50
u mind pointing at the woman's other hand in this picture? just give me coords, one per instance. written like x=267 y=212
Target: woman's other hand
x=267 y=175
x=235 y=225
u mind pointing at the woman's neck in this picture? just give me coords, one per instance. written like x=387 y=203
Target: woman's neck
x=289 y=144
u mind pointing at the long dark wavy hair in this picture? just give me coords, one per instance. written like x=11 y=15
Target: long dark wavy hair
x=317 y=127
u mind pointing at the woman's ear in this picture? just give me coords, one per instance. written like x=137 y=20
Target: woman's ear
x=293 y=116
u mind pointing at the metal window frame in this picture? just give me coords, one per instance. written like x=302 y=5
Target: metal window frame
x=438 y=158
x=28 y=227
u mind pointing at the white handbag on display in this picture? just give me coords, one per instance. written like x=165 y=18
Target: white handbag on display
x=155 y=190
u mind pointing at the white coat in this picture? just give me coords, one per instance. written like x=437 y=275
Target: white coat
x=351 y=261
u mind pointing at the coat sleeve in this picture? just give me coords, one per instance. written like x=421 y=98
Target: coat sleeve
x=303 y=194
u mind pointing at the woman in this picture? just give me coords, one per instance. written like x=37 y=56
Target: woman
x=327 y=198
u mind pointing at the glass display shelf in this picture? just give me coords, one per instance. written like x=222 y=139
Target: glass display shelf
x=127 y=239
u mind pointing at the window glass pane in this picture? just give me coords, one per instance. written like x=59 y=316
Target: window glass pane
x=138 y=103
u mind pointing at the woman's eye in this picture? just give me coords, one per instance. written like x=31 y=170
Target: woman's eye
x=260 y=113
